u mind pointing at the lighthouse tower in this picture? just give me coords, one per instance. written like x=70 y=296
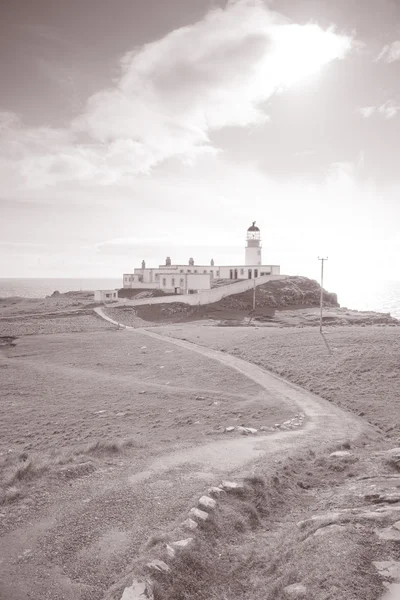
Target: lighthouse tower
x=253 y=245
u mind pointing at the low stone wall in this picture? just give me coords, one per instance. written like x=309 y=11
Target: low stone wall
x=209 y=296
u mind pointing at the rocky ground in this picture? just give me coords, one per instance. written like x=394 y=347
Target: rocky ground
x=313 y=511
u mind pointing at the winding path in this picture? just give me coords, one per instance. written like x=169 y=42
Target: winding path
x=92 y=529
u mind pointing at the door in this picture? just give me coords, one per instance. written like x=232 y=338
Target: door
x=231 y=274
x=249 y=273
x=236 y=274
x=255 y=272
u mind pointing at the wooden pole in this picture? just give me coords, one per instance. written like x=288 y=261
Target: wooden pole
x=322 y=292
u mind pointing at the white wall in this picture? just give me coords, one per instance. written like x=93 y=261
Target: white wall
x=105 y=295
x=253 y=255
x=141 y=286
x=209 y=296
x=198 y=281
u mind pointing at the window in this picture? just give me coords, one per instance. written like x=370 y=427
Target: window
x=182 y=281
x=189 y=271
x=173 y=282
x=108 y=295
x=205 y=271
x=164 y=282
x=242 y=271
x=157 y=276
x=217 y=273
x=181 y=271
x=195 y=270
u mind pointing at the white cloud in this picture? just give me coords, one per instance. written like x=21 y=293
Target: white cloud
x=366 y=111
x=388 y=110
x=172 y=93
x=389 y=53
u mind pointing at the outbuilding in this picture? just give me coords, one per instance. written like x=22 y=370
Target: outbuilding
x=106 y=295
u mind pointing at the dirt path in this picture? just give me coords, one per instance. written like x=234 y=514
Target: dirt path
x=94 y=527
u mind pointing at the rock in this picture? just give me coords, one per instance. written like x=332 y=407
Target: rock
x=340 y=454
x=189 y=524
x=296 y=590
x=207 y=502
x=199 y=514
x=136 y=591
x=395 y=525
x=389 y=569
x=394 y=452
x=231 y=485
x=229 y=429
x=246 y=430
x=265 y=428
x=142 y=392
x=180 y=544
x=216 y=491
x=334 y=528
x=320 y=520
x=200 y=398
x=390 y=534
x=158 y=565
x=170 y=551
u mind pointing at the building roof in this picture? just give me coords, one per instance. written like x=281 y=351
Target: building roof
x=253 y=227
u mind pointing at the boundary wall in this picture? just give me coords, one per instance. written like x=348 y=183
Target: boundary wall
x=207 y=296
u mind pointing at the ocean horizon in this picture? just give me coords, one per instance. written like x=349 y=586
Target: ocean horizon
x=384 y=297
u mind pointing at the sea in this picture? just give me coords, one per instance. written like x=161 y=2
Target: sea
x=382 y=297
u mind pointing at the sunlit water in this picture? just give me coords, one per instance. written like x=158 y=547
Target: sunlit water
x=365 y=295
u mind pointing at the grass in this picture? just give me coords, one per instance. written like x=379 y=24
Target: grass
x=18 y=473
x=73 y=390
x=355 y=368
x=251 y=548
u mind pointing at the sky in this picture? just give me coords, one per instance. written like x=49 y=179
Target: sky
x=140 y=129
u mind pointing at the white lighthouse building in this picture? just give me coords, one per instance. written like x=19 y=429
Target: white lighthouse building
x=183 y=279
x=253 y=246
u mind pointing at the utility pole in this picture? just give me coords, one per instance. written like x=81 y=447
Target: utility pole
x=322 y=291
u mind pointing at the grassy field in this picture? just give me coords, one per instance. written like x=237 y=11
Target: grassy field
x=73 y=395
x=356 y=368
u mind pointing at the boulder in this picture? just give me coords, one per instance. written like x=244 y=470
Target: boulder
x=231 y=485
x=199 y=514
x=215 y=491
x=390 y=534
x=296 y=590
x=334 y=528
x=207 y=502
x=180 y=544
x=389 y=569
x=158 y=565
x=189 y=524
x=229 y=429
x=136 y=591
x=340 y=454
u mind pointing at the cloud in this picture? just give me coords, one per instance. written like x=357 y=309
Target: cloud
x=388 y=110
x=366 y=111
x=172 y=93
x=389 y=53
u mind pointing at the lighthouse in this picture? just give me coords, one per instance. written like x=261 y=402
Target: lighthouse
x=253 y=246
